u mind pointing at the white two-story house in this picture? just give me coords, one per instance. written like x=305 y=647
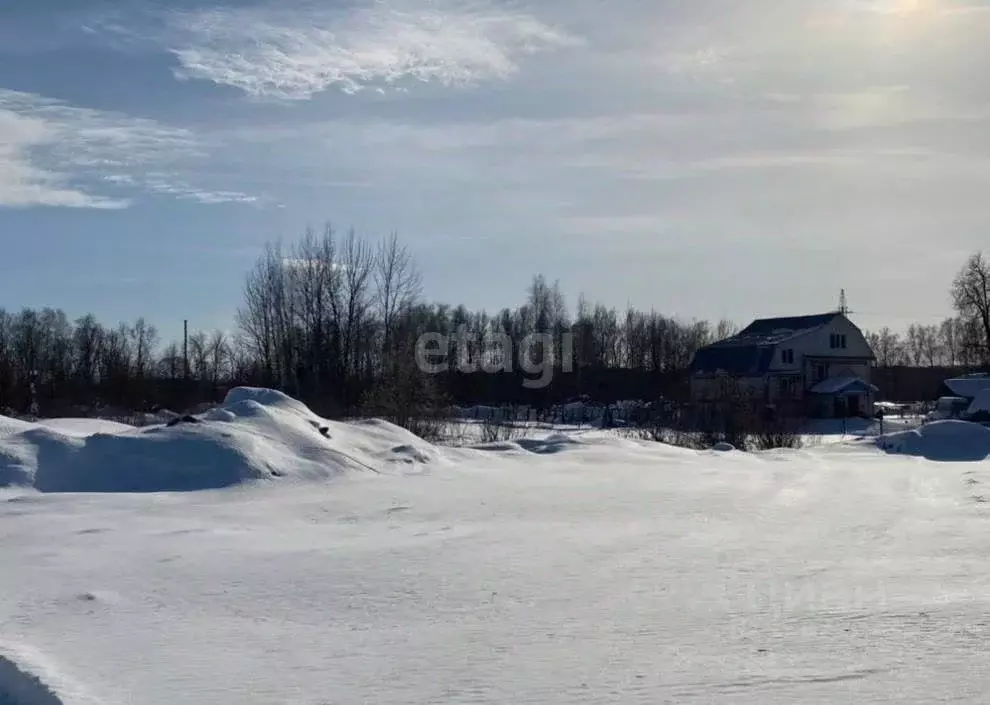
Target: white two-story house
x=816 y=366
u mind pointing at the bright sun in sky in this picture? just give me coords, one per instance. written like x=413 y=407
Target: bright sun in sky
x=899 y=7
x=900 y=21
x=909 y=6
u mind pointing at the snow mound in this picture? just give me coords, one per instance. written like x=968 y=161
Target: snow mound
x=946 y=441
x=556 y=443
x=85 y=427
x=266 y=397
x=256 y=435
x=549 y=445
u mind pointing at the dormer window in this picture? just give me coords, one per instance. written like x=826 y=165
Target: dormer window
x=837 y=341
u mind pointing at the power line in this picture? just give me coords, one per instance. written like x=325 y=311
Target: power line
x=846 y=311
x=903 y=316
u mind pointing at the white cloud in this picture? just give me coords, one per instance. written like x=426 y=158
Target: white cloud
x=24 y=184
x=943 y=8
x=173 y=185
x=293 y=54
x=55 y=154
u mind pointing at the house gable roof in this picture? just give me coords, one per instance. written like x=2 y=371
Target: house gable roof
x=751 y=350
x=840 y=386
x=779 y=329
x=733 y=359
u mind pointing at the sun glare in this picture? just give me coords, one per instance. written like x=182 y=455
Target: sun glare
x=905 y=8
x=904 y=21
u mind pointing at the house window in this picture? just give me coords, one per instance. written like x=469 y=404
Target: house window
x=819 y=372
x=837 y=341
x=785 y=386
x=787 y=357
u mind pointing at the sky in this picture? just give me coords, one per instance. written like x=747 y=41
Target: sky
x=704 y=158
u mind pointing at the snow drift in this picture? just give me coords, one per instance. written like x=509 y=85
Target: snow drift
x=597 y=570
x=25 y=680
x=255 y=435
x=945 y=441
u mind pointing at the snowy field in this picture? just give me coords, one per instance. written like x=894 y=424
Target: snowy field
x=461 y=432
x=342 y=564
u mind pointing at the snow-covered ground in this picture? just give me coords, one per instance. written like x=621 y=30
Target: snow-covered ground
x=366 y=566
x=816 y=432
x=460 y=432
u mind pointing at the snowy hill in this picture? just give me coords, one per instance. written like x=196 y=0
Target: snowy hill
x=562 y=570
x=257 y=434
x=946 y=441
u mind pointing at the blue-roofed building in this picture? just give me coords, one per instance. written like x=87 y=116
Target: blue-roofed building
x=815 y=365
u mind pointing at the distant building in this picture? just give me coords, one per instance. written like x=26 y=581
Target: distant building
x=815 y=366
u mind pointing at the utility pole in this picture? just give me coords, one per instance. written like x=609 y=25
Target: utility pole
x=185 y=348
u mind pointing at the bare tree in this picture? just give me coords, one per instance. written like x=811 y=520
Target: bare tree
x=316 y=284
x=932 y=349
x=8 y=371
x=263 y=317
x=971 y=298
x=218 y=352
x=922 y=345
x=87 y=339
x=27 y=341
x=725 y=329
x=398 y=284
x=972 y=349
x=170 y=366
x=914 y=344
x=357 y=262
x=144 y=338
x=58 y=345
x=115 y=356
x=887 y=346
x=199 y=356
x=949 y=334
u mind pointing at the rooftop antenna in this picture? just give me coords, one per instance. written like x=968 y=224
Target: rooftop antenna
x=843 y=303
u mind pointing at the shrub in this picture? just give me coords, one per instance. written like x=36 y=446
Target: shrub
x=497 y=431
x=409 y=398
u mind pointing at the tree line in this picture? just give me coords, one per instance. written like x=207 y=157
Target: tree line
x=335 y=319
x=959 y=341
x=951 y=343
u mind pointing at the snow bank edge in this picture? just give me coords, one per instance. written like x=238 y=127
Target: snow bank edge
x=19 y=686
